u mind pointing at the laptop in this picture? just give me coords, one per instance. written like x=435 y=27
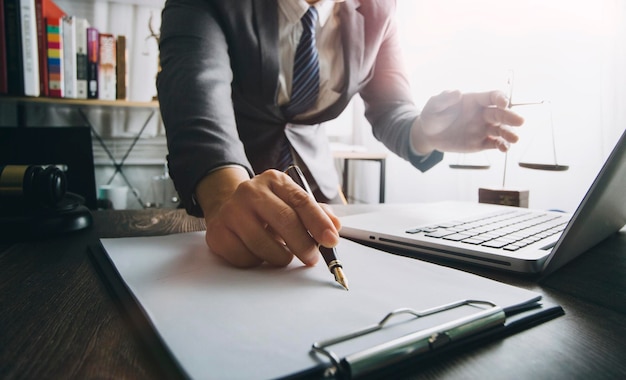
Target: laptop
x=504 y=237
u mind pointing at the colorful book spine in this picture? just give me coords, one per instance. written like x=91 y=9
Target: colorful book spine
x=30 y=54
x=3 y=53
x=121 y=67
x=41 y=48
x=68 y=36
x=45 y=9
x=106 y=69
x=81 y=57
x=56 y=83
x=93 y=53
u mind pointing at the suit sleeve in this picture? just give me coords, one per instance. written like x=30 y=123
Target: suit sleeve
x=194 y=90
x=387 y=96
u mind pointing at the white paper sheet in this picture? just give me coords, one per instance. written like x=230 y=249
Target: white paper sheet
x=226 y=323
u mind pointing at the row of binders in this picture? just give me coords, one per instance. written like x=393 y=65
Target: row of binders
x=46 y=52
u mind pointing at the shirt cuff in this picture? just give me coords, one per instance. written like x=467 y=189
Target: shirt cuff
x=424 y=163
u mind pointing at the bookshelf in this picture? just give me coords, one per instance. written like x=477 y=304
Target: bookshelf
x=117 y=125
x=21 y=102
x=82 y=108
x=59 y=26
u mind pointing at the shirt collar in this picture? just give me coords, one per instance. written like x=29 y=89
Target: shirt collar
x=295 y=9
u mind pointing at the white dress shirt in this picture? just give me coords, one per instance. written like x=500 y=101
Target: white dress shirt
x=328 y=41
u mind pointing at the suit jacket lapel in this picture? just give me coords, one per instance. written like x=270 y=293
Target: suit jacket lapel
x=353 y=35
x=266 y=26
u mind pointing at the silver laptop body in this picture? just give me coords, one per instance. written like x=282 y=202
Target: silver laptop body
x=457 y=230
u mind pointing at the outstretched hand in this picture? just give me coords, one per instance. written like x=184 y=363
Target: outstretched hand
x=465 y=123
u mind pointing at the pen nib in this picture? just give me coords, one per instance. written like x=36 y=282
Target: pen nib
x=340 y=277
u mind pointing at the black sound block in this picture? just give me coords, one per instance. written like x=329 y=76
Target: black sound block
x=19 y=222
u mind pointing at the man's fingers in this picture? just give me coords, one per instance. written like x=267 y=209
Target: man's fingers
x=491 y=98
x=331 y=214
x=309 y=213
x=498 y=116
x=314 y=218
x=291 y=213
x=290 y=228
x=263 y=242
x=242 y=239
x=496 y=143
x=226 y=244
x=503 y=131
x=302 y=222
x=271 y=218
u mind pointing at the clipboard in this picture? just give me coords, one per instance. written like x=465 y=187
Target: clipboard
x=423 y=344
x=420 y=342
x=403 y=337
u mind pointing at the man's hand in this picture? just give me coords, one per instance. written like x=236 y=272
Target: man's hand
x=268 y=218
x=465 y=123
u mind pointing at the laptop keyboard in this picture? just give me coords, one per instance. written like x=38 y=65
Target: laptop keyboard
x=509 y=230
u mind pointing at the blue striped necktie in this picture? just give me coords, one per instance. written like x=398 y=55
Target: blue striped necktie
x=305 y=82
x=306 y=69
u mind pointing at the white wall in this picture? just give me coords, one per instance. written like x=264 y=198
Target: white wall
x=570 y=53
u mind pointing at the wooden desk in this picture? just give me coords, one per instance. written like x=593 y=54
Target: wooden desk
x=58 y=319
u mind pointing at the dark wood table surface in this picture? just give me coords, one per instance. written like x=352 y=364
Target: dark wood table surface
x=59 y=320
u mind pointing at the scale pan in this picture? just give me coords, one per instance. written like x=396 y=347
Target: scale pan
x=465 y=166
x=546 y=167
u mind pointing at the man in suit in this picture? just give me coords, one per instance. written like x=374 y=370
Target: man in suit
x=225 y=90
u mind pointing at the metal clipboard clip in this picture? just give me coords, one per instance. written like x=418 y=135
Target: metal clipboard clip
x=410 y=345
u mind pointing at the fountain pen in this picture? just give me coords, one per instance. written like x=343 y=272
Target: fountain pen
x=329 y=254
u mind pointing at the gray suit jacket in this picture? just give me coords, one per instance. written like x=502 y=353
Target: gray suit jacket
x=218 y=89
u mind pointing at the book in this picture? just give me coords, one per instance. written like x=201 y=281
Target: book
x=93 y=53
x=121 y=68
x=81 y=57
x=44 y=9
x=3 y=53
x=56 y=84
x=41 y=48
x=13 y=37
x=30 y=52
x=68 y=36
x=106 y=69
